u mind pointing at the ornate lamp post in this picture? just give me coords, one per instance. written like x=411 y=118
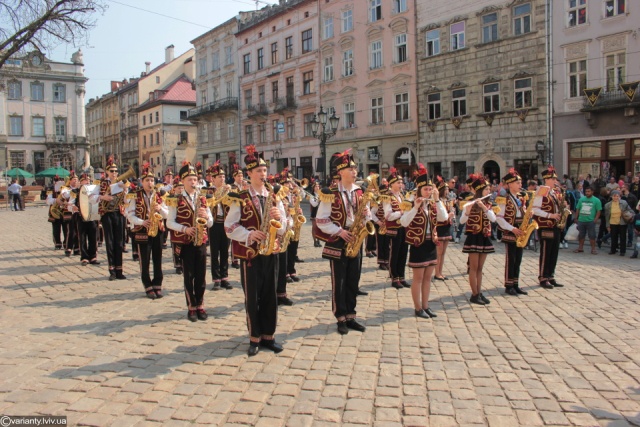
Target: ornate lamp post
x=329 y=129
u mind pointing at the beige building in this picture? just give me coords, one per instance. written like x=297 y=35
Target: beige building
x=482 y=86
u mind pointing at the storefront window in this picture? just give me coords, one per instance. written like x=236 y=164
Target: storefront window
x=584 y=150
x=584 y=168
x=617 y=148
x=636 y=147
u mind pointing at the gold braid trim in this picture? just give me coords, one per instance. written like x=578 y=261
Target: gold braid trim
x=131 y=196
x=232 y=198
x=501 y=200
x=326 y=198
x=171 y=202
x=384 y=198
x=406 y=206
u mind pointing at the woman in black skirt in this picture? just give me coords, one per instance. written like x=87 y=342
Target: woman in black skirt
x=478 y=216
x=422 y=236
x=443 y=227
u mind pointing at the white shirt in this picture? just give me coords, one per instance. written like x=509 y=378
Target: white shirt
x=500 y=218
x=131 y=210
x=441 y=215
x=324 y=211
x=173 y=210
x=490 y=214
x=389 y=214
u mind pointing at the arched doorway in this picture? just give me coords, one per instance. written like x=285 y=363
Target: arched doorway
x=492 y=171
x=404 y=161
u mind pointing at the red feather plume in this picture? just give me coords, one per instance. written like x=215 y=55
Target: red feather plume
x=421 y=169
x=345 y=152
x=145 y=165
x=251 y=149
x=512 y=171
x=185 y=162
x=392 y=170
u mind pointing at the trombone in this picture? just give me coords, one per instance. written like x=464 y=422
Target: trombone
x=302 y=185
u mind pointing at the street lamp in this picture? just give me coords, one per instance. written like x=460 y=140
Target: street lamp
x=541 y=149
x=320 y=119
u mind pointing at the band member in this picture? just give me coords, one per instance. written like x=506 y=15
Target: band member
x=382 y=240
x=218 y=240
x=177 y=188
x=201 y=183
x=336 y=216
x=287 y=223
x=295 y=196
x=512 y=208
x=71 y=242
x=547 y=211
x=422 y=234
x=87 y=230
x=478 y=216
x=239 y=184
x=398 y=247
x=314 y=202
x=464 y=197
x=55 y=211
x=146 y=212
x=250 y=224
x=444 y=226
x=165 y=188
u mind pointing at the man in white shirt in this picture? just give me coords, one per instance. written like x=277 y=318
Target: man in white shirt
x=15 y=191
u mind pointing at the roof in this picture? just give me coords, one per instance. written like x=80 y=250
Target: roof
x=180 y=91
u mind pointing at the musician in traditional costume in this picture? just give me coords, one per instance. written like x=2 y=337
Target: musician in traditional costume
x=55 y=211
x=239 y=184
x=464 y=197
x=339 y=206
x=146 y=212
x=189 y=218
x=295 y=196
x=421 y=233
x=176 y=189
x=512 y=209
x=166 y=188
x=478 y=215
x=382 y=240
x=314 y=202
x=87 y=230
x=252 y=224
x=547 y=211
x=71 y=241
x=398 y=247
x=444 y=226
x=285 y=241
x=218 y=240
x=201 y=181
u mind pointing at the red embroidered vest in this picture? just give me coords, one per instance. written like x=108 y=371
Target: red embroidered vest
x=185 y=216
x=478 y=222
x=550 y=205
x=416 y=233
x=392 y=226
x=250 y=218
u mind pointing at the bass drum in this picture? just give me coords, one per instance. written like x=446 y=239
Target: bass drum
x=88 y=210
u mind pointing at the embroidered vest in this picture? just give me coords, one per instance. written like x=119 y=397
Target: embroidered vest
x=334 y=245
x=251 y=219
x=448 y=205
x=549 y=205
x=416 y=233
x=478 y=222
x=392 y=226
x=185 y=216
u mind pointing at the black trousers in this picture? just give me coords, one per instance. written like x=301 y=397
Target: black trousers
x=151 y=249
x=618 y=236
x=71 y=240
x=281 y=289
x=398 y=250
x=175 y=252
x=194 y=268
x=258 y=278
x=512 y=266
x=219 y=248
x=17 y=202
x=292 y=254
x=112 y=226
x=549 y=248
x=56 y=228
x=371 y=239
x=100 y=233
x=88 y=233
x=345 y=279
x=383 y=247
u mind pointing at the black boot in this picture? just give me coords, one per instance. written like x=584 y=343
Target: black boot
x=634 y=255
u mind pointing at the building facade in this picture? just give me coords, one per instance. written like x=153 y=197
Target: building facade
x=127 y=103
x=482 y=87
x=596 y=49
x=42 y=109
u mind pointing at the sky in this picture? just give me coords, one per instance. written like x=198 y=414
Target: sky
x=132 y=32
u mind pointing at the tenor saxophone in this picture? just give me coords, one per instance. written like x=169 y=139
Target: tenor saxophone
x=269 y=226
x=199 y=223
x=298 y=219
x=361 y=229
x=562 y=223
x=155 y=219
x=528 y=226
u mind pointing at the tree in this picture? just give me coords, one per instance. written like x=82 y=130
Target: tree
x=43 y=24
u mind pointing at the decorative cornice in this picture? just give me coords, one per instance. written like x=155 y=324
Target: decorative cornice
x=488 y=9
x=457 y=85
x=490 y=79
x=455 y=19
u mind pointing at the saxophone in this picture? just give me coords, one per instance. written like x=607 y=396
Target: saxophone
x=199 y=223
x=298 y=219
x=360 y=229
x=220 y=197
x=155 y=219
x=562 y=223
x=528 y=225
x=269 y=226
x=56 y=208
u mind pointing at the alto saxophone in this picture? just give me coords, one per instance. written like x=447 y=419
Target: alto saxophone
x=199 y=223
x=269 y=226
x=562 y=223
x=155 y=219
x=361 y=229
x=298 y=219
x=528 y=226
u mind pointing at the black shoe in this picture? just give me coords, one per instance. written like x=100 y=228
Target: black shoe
x=599 y=243
x=284 y=301
x=405 y=283
x=135 y=257
x=151 y=295
x=235 y=264
x=370 y=255
x=178 y=270
x=397 y=285
x=362 y=293
x=225 y=284
x=382 y=267
x=202 y=315
x=253 y=349
x=67 y=253
x=94 y=262
x=612 y=252
x=342 y=328
x=289 y=279
x=475 y=299
x=429 y=312
x=125 y=251
x=423 y=314
x=99 y=245
x=556 y=284
x=484 y=299
x=520 y=291
x=121 y=276
x=622 y=254
x=299 y=260
x=634 y=255
x=271 y=345
x=164 y=246
x=510 y=290
x=439 y=278
x=546 y=285
x=192 y=315
x=216 y=286
x=295 y=278
x=353 y=324
x=76 y=253
x=317 y=244
x=112 y=277
x=374 y=253
x=159 y=293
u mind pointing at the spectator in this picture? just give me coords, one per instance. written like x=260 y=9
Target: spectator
x=616 y=224
x=605 y=196
x=567 y=181
x=588 y=212
x=612 y=184
x=15 y=191
x=635 y=186
x=632 y=201
x=636 y=232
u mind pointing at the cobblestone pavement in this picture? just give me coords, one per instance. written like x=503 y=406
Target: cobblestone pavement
x=99 y=352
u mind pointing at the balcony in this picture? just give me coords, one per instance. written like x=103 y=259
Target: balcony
x=64 y=140
x=225 y=104
x=611 y=100
x=257 y=110
x=283 y=104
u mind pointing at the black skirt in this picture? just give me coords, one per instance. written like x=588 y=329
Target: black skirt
x=424 y=255
x=478 y=244
x=444 y=232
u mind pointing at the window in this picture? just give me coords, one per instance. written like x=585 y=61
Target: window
x=231 y=125
x=375 y=10
x=60 y=93
x=203 y=96
x=307 y=41
x=347 y=20
x=434 y=108
x=523 y=93
x=433 y=42
x=229 y=89
x=150 y=118
x=260 y=58
x=247 y=63
x=215 y=61
x=37 y=126
x=151 y=140
x=490 y=27
x=614 y=70
x=157 y=138
x=377 y=111
x=291 y=129
x=17 y=159
x=577 y=12
x=577 y=78
x=491 y=94
x=399 y=6
x=248 y=98
x=262 y=133
x=401 y=48
x=184 y=136
x=402 y=107
x=248 y=134
x=15 y=126
x=274 y=91
x=261 y=95
x=328 y=68
x=37 y=91
x=459 y=102
x=288 y=48
x=308 y=118
x=347 y=63
x=15 y=90
x=289 y=88
x=183 y=115
x=522 y=19
x=307 y=83
x=457 y=35
x=276 y=135
x=144 y=141
x=613 y=8
x=274 y=53
x=203 y=66
x=328 y=27
x=216 y=130
x=157 y=116
x=157 y=79
x=349 y=115
x=144 y=120
x=228 y=55
x=376 y=54
x=61 y=126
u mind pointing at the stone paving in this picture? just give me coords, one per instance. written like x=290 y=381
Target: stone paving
x=99 y=352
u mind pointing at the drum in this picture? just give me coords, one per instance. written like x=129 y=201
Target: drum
x=88 y=210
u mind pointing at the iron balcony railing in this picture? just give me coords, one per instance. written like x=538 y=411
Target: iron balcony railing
x=224 y=104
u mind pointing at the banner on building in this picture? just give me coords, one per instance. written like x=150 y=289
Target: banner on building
x=629 y=89
x=522 y=114
x=592 y=95
x=432 y=125
x=457 y=121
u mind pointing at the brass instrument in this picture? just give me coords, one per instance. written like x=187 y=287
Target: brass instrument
x=155 y=219
x=298 y=219
x=269 y=226
x=528 y=226
x=200 y=224
x=119 y=198
x=360 y=229
x=56 y=208
x=565 y=212
x=220 y=197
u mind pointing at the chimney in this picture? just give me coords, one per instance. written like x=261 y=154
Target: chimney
x=147 y=67
x=168 y=54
